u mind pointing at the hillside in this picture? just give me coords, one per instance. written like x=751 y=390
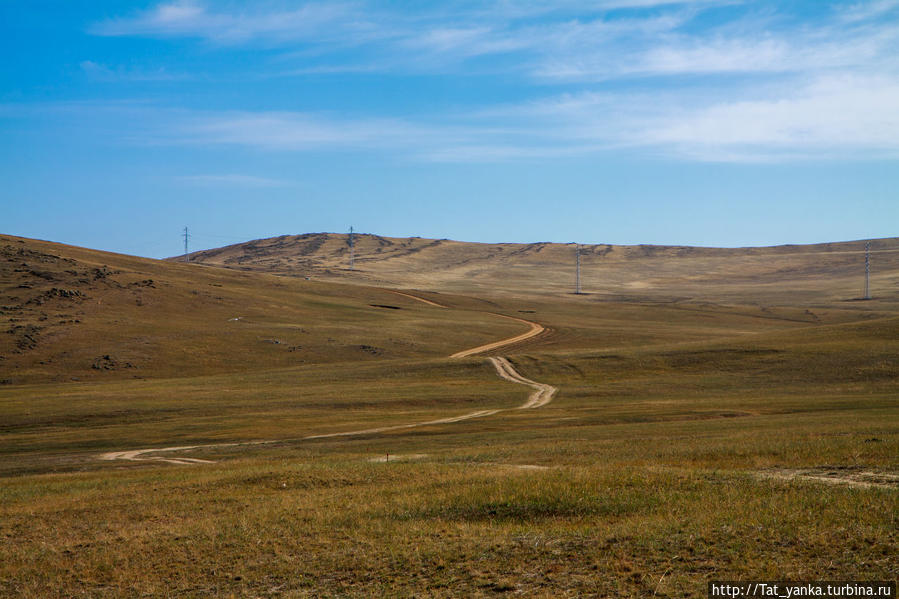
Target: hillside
x=76 y=314
x=790 y=275
x=205 y=431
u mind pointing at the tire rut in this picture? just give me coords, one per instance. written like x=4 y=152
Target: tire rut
x=541 y=395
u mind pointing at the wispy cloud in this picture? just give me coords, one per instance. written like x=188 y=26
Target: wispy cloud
x=649 y=75
x=233 y=179
x=101 y=72
x=660 y=48
x=187 y=18
x=454 y=30
x=836 y=117
x=832 y=117
x=865 y=11
x=567 y=41
x=295 y=131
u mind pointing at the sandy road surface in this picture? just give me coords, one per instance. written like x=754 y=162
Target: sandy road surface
x=535 y=330
x=415 y=297
x=396 y=427
x=140 y=455
x=143 y=455
x=542 y=395
x=859 y=479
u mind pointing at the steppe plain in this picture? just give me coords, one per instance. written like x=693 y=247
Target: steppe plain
x=264 y=421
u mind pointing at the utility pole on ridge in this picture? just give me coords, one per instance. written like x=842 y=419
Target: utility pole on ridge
x=186 y=253
x=868 y=270
x=352 y=250
x=577 y=269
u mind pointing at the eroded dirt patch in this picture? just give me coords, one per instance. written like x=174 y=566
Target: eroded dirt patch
x=400 y=457
x=836 y=475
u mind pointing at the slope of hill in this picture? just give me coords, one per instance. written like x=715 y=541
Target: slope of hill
x=299 y=437
x=72 y=313
x=790 y=274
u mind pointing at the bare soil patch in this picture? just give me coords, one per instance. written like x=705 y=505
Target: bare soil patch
x=836 y=475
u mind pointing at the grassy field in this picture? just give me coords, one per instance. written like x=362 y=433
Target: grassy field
x=688 y=441
x=809 y=275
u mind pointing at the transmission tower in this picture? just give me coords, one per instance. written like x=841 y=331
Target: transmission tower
x=577 y=269
x=186 y=237
x=868 y=270
x=352 y=250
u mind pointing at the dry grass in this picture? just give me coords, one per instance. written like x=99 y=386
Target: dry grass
x=809 y=275
x=95 y=316
x=649 y=474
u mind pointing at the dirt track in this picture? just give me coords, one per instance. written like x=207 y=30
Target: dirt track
x=834 y=476
x=542 y=395
x=138 y=455
x=142 y=455
x=536 y=329
x=420 y=299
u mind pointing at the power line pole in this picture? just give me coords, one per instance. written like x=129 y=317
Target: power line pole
x=186 y=237
x=868 y=270
x=577 y=269
x=352 y=250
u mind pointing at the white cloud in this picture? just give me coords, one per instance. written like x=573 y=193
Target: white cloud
x=640 y=74
x=665 y=52
x=864 y=11
x=294 y=131
x=835 y=117
x=830 y=117
x=101 y=72
x=233 y=179
x=523 y=9
x=565 y=41
x=467 y=42
x=187 y=18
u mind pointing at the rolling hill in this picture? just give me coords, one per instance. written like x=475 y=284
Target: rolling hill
x=789 y=275
x=79 y=314
x=230 y=427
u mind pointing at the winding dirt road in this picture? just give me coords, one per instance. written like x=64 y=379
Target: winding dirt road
x=420 y=299
x=542 y=395
x=536 y=329
x=139 y=455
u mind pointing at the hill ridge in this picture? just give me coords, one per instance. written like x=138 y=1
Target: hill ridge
x=822 y=270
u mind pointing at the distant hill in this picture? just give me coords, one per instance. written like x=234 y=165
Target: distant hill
x=75 y=314
x=790 y=274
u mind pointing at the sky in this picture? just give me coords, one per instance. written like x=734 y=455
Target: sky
x=692 y=122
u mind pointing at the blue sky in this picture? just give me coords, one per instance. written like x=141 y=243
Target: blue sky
x=700 y=122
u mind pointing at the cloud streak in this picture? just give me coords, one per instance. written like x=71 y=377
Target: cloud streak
x=312 y=22
x=570 y=41
x=296 y=131
x=101 y=72
x=232 y=180
x=647 y=75
x=836 y=117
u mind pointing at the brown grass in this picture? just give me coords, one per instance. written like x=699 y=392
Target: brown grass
x=807 y=276
x=648 y=474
